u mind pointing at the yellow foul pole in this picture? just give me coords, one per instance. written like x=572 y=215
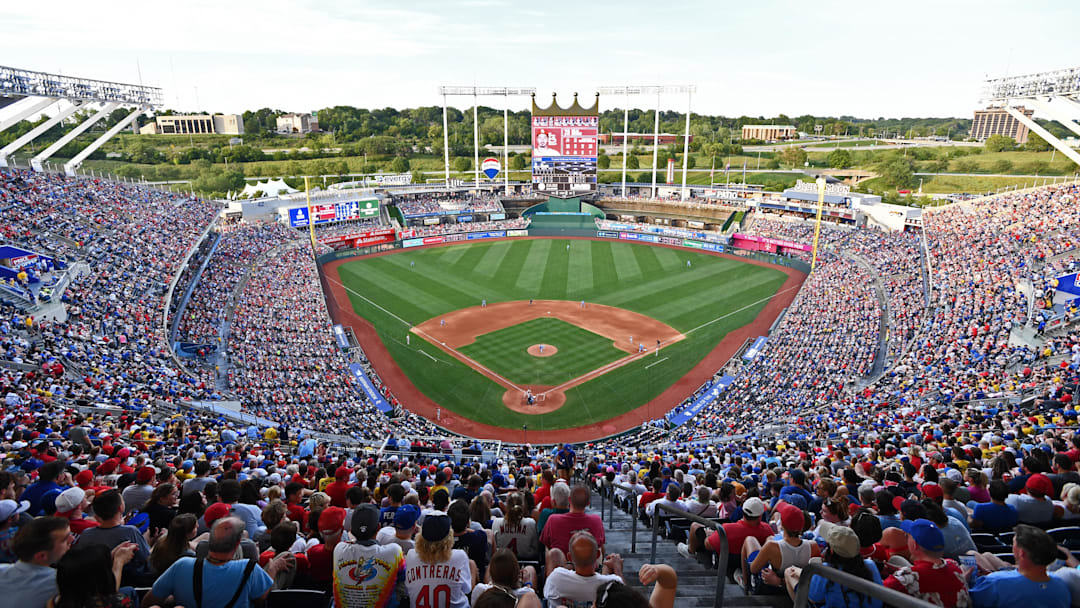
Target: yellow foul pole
x=817 y=224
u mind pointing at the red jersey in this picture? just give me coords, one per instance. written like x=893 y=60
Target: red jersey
x=337 y=490
x=941 y=584
x=559 y=528
x=737 y=533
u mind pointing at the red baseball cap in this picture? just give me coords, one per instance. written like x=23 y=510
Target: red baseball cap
x=145 y=475
x=84 y=478
x=791 y=517
x=343 y=472
x=1040 y=483
x=332 y=519
x=932 y=490
x=215 y=512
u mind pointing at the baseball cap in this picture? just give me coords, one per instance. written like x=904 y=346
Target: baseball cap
x=69 y=499
x=145 y=475
x=436 y=527
x=754 y=507
x=405 y=517
x=842 y=540
x=932 y=490
x=10 y=507
x=791 y=517
x=926 y=534
x=365 y=521
x=215 y=512
x=1040 y=483
x=332 y=519
x=84 y=478
x=1070 y=493
x=342 y=473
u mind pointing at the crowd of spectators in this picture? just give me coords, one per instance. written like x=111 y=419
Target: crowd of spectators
x=517 y=223
x=420 y=205
x=327 y=231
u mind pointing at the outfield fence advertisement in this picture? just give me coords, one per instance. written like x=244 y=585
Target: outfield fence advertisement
x=369 y=390
x=564 y=150
x=407 y=243
x=764 y=243
x=360 y=239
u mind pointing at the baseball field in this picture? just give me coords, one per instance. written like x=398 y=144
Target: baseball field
x=619 y=323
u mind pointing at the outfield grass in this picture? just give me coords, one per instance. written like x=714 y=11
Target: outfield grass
x=505 y=352
x=704 y=302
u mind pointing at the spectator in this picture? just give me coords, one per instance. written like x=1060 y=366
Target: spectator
x=767 y=563
x=1029 y=583
x=112 y=532
x=842 y=553
x=70 y=505
x=137 y=494
x=929 y=576
x=559 y=528
x=516 y=532
x=507 y=577
x=1037 y=506
x=475 y=543
x=436 y=574
x=161 y=506
x=403 y=530
x=175 y=544
x=321 y=556
x=31 y=582
x=997 y=515
x=218 y=580
x=736 y=533
x=579 y=584
x=383 y=565
x=89 y=577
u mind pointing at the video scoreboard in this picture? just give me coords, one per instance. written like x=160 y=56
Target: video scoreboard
x=333 y=212
x=564 y=151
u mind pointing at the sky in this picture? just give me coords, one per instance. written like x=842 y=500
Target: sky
x=760 y=58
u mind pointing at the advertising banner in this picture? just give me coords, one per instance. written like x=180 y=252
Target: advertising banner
x=755 y=348
x=712 y=393
x=496 y=216
x=340 y=337
x=564 y=150
x=606 y=234
x=487 y=235
x=670 y=171
x=464 y=218
x=490 y=167
x=517 y=233
x=431 y=221
x=298 y=217
x=368 y=389
x=770 y=241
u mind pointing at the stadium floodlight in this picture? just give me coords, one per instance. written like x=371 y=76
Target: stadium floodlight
x=15 y=82
x=1041 y=91
x=658 y=90
x=475 y=92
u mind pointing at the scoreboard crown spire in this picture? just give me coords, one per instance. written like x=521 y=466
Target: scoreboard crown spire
x=575 y=109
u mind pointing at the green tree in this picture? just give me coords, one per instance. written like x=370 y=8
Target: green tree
x=898 y=173
x=632 y=162
x=965 y=166
x=1002 y=166
x=793 y=156
x=418 y=176
x=517 y=162
x=839 y=159
x=399 y=165
x=603 y=161
x=999 y=143
x=1036 y=143
x=462 y=163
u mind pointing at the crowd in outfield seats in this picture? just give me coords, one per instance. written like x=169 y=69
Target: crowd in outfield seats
x=418 y=205
x=517 y=223
x=937 y=480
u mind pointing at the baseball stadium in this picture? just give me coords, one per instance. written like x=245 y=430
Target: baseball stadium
x=396 y=375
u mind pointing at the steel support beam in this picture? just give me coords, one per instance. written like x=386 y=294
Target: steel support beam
x=37 y=161
x=32 y=134
x=1059 y=145
x=25 y=108
x=74 y=163
x=1056 y=111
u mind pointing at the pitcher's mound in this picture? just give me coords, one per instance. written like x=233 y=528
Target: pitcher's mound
x=549 y=350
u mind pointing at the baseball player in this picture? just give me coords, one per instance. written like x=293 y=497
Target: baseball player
x=640 y=347
x=442 y=322
x=583 y=303
x=483 y=303
x=541 y=349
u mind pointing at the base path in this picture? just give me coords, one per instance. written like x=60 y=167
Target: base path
x=341 y=311
x=459 y=328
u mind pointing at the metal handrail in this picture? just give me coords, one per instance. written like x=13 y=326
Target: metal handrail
x=721 y=555
x=859 y=585
x=611 y=487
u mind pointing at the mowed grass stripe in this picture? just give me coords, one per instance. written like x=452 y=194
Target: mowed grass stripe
x=703 y=272
x=694 y=309
x=491 y=260
x=471 y=258
x=406 y=298
x=603 y=265
x=448 y=255
x=646 y=259
x=532 y=272
x=555 y=271
x=626 y=266
x=458 y=290
x=669 y=259
x=505 y=352
x=579 y=278
x=678 y=298
x=510 y=266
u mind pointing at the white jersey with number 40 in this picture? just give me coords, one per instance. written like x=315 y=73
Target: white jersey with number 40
x=442 y=585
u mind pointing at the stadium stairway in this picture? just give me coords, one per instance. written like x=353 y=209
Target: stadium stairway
x=697 y=583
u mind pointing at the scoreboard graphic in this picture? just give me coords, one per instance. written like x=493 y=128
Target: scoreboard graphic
x=333 y=212
x=565 y=145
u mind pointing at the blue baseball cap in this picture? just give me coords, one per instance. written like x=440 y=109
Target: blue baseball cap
x=926 y=534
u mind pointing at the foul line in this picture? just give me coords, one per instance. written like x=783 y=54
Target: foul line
x=359 y=295
x=462 y=357
x=427 y=355
x=658 y=362
x=750 y=305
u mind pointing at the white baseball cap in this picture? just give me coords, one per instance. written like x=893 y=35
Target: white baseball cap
x=10 y=507
x=69 y=499
x=754 y=507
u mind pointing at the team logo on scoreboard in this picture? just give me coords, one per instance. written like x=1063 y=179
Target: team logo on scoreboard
x=490 y=167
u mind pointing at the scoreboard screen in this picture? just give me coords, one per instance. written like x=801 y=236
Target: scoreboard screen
x=334 y=212
x=564 y=150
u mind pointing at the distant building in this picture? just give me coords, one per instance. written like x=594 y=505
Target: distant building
x=769 y=132
x=643 y=138
x=193 y=124
x=996 y=121
x=297 y=123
